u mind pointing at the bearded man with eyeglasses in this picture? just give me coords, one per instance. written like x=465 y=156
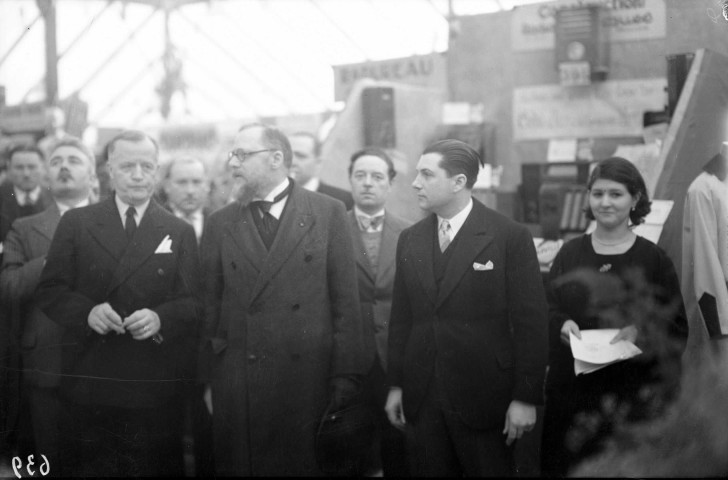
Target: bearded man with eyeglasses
x=283 y=331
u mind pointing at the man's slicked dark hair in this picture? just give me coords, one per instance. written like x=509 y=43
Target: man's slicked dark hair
x=457 y=157
x=273 y=139
x=374 y=152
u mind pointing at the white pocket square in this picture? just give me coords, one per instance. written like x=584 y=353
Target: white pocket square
x=479 y=267
x=165 y=246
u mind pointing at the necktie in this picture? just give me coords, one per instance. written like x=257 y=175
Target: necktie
x=368 y=223
x=130 y=225
x=443 y=234
x=269 y=222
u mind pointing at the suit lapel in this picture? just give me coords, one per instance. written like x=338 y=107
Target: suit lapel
x=473 y=239
x=421 y=247
x=246 y=237
x=387 y=249
x=147 y=238
x=295 y=223
x=46 y=226
x=108 y=230
x=359 y=250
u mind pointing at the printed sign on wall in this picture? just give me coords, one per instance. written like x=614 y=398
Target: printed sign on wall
x=532 y=26
x=424 y=70
x=606 y=109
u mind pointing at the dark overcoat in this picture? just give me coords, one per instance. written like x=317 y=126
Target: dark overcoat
x=279 y=325
x=89 y=263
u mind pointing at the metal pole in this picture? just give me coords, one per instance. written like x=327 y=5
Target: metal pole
x=48 y=9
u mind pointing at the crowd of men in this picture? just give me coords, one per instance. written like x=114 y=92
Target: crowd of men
x=130 y=323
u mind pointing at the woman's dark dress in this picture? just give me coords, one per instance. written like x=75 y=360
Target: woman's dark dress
x=581 y=411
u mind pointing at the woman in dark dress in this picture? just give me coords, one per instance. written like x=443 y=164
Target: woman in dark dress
x=611 y=278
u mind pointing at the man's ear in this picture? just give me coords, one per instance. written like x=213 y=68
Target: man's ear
x=277 y=160
x=461 y=181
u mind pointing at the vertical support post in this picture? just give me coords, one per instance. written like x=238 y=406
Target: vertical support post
x=48 y=10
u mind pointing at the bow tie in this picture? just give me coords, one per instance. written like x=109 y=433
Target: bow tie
x=265 y=205
x=370 y=222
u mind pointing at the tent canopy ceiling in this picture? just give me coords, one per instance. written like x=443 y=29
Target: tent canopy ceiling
x=215 y=59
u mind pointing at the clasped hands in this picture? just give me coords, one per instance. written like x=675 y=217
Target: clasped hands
x=142 y=324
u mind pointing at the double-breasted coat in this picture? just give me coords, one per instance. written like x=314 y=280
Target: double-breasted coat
x=279 y=325
x=89 y=263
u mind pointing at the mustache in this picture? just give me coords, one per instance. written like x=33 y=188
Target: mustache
x=64 y=175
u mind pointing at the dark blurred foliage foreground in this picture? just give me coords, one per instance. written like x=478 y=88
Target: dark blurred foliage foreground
x=686 y=431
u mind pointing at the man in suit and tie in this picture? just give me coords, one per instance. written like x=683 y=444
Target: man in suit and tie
x=375 y=232
x=306 y=165
x=71 y=170
x=283 y=326
x=22 y=194
x=186 y=187
x=468 y=331
x=122 y=279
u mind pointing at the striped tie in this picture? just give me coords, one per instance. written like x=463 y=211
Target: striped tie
x=443 y=235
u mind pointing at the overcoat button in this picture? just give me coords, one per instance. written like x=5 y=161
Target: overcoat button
x=252 y=358
x=307 y=258
x=160 y=272
x=295 y=307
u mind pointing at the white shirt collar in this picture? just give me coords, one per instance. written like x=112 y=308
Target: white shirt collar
x=192 y=216
x=358 y=213
x=457 y=221
x=34 y=194
x=313 y=184
x=63 y=208
x=277 y=208
x=123 y=207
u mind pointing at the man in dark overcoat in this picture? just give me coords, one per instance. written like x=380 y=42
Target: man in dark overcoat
x=283 y=326
x=122 y=279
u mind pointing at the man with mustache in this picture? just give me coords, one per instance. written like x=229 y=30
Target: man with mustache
x=71 y=171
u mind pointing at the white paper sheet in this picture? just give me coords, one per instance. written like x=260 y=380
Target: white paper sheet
x=594 y=351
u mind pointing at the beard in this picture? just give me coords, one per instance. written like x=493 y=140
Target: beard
x=245 y=193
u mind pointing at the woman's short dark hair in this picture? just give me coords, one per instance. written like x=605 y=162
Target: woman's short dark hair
x=620 y=170
x=374 y=152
